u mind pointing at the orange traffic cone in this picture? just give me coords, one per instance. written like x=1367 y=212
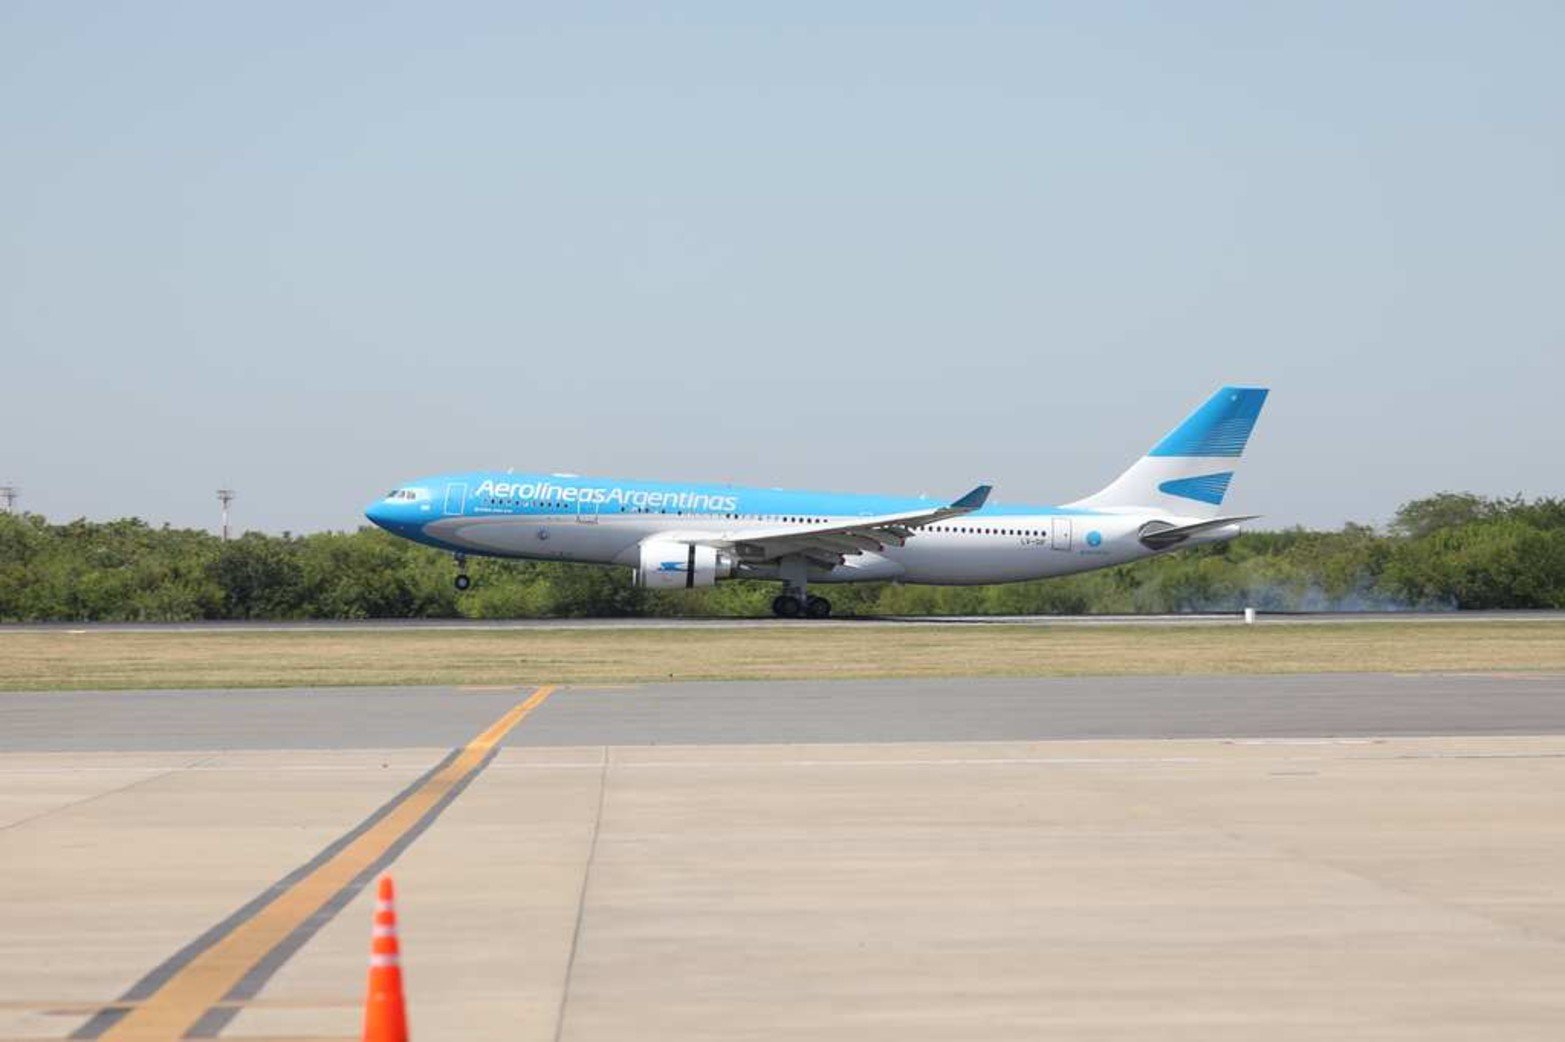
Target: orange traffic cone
x=385 y=1016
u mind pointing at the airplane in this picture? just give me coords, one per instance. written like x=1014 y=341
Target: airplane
x=684 y=536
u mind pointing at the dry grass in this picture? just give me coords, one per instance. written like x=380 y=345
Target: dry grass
x=60 y=660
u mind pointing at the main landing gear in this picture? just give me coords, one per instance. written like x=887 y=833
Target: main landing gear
x=796 y=601
x=462 y=581
x=788 y=606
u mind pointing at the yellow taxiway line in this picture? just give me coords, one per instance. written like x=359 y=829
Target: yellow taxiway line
x=202 y=983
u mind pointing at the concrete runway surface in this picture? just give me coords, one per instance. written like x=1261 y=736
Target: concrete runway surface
x=1106 y=858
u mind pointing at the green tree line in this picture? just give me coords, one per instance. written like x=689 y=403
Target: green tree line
x=1449 y=551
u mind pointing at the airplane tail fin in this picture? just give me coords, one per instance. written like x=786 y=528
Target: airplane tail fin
x=1187 y=473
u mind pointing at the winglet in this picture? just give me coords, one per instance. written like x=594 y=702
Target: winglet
x=974 y=499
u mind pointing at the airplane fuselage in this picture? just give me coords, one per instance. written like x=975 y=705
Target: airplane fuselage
x=606 y=521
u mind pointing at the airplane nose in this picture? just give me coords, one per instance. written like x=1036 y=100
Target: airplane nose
x=379 y=513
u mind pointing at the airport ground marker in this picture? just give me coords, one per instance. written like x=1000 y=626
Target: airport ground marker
x=385 y=1013
x=196 y=992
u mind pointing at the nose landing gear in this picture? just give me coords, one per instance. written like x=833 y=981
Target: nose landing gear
x=462 y=580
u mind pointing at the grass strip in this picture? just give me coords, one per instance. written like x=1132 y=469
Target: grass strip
x=95 y=660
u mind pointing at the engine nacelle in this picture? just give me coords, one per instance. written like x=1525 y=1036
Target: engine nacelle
x=667 y=565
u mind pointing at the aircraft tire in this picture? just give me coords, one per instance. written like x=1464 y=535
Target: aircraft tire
x=817 y=608
x=786 y=607
x=462 y=581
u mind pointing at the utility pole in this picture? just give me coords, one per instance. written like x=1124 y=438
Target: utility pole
x=225 y=496
x=9 y=493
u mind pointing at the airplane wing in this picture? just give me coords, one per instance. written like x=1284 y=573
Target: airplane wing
x=828 y=544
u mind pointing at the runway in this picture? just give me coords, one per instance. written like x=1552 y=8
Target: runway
x=922 y=710
x=1291 y=857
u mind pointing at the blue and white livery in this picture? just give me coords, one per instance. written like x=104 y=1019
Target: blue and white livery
x=680 y=536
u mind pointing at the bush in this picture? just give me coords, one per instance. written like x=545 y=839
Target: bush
x=1452 y=550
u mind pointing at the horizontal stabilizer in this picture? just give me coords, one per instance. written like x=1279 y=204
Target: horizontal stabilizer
x=1160 y=535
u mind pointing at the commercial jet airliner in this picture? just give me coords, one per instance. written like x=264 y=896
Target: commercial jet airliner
x=681 y=536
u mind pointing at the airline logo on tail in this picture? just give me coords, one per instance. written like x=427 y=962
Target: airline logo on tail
x=1204 y=488
x=1221 y=427
x=1189 y=470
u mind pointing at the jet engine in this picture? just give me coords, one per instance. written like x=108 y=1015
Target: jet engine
x=669 y=565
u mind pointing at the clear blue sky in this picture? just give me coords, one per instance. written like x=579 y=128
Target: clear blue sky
x=315 y=249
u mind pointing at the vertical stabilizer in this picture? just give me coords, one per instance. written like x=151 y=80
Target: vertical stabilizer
x=1188 y=472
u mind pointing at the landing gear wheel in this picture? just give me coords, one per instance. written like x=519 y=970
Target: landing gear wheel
x=463 y=582
x=817 y=607
x=786 y=607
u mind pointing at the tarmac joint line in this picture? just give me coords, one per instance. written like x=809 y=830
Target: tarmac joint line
x=196 y=992
x=581 y=899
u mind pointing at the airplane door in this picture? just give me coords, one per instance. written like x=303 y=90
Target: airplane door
x=587 y=512
x=456 y=498
x=1060 y=533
